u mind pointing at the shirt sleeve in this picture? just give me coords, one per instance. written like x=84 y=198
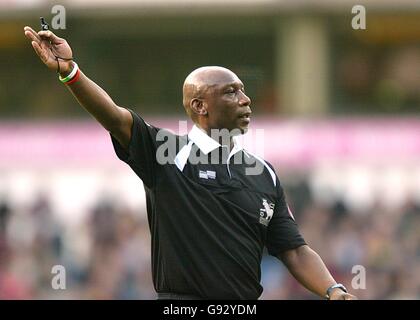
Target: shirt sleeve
x=283 y=233
x=141 y=153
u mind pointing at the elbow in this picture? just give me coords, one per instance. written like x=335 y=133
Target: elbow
x=290 y=257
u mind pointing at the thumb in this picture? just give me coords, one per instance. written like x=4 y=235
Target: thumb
x=48 y=35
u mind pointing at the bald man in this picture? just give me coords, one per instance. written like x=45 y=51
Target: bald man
x=214 y=98
x=209 y=221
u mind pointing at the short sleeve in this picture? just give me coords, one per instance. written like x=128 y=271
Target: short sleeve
x=141 y=153
x=283 y=233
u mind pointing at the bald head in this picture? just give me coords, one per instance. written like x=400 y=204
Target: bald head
x=200 y=81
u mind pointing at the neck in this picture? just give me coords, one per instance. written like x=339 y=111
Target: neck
x=222 y=136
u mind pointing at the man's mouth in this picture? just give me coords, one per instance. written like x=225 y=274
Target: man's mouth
x=246 y=116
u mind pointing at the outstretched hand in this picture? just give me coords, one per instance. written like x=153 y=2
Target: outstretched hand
x=52 y=50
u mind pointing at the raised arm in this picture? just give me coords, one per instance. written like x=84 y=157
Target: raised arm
x=94 y=99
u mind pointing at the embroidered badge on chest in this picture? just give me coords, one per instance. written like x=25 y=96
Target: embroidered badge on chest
x=266 y=212
x=207 y=174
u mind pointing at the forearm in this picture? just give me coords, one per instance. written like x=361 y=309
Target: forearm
x=97 y=102
x=309 y=269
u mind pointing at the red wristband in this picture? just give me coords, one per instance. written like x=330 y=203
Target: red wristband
x=75 y=78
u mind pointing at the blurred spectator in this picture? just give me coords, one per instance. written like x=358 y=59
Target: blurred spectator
x=386 y=243
x=4 y=216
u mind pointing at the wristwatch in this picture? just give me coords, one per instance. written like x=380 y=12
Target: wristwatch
x=337 y=285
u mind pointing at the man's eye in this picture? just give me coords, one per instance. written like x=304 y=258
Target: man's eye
x=230 y=91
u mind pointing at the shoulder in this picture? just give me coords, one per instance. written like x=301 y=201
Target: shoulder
x=159 y=134
x=139 y=121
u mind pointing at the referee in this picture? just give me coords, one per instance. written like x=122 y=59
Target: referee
x=212 y=206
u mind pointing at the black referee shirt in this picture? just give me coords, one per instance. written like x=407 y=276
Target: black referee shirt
x=209 y=223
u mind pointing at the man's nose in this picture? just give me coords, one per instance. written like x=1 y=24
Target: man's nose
x=244 y=100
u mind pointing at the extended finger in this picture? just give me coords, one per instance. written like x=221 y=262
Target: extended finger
x=41 y=53
x=32 y=37
x=29 y=31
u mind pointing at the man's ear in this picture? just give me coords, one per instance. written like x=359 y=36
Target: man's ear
x=198 y=106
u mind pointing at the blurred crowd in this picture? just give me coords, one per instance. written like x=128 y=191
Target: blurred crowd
x=107 y=256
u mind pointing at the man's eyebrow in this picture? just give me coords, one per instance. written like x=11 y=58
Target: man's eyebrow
x=234 y=84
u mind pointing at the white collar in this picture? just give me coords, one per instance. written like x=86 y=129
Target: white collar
x=206 y=144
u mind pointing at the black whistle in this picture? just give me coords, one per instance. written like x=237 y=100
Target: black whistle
x=44 y=24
